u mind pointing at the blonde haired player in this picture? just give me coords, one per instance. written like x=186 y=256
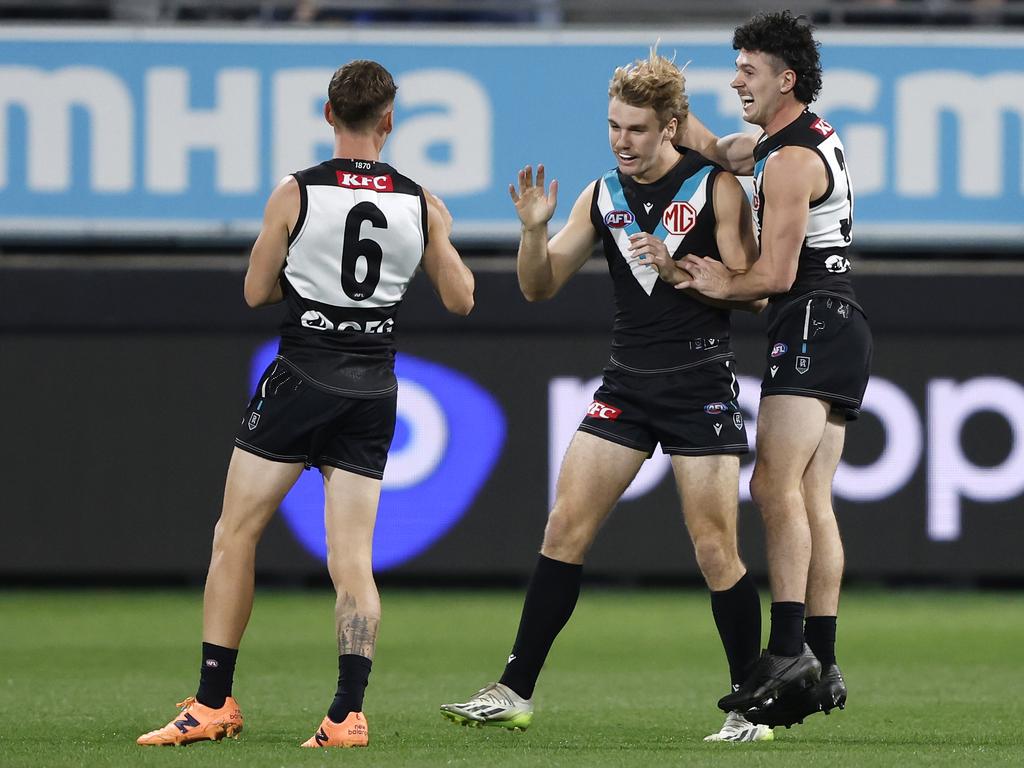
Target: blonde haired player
x=669 y=379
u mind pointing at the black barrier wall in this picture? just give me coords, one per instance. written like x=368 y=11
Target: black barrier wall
x=120 y=407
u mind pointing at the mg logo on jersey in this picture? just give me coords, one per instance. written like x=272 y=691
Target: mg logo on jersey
x=359 y=181
x=822 y=127
x=679 y=218
x=599 y=410
x=618 y=219
x=449 y=434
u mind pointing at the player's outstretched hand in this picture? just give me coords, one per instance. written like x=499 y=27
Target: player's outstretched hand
x=534 y=206
x=651 y=250
x=707 y=276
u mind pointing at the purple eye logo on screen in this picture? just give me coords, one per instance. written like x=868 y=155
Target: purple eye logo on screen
x=448 y=437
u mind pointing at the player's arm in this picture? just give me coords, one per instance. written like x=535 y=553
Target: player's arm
x=450 y=277
x=544 y=267
x=734 y=233
x=734 y=152
x=788 y=186
x=263 y=277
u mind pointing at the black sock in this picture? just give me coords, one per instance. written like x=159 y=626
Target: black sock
x=216 y=675
x=550 y=600
x=353 y=677
x=820 y=634
x=737 y=613
x=787 y=635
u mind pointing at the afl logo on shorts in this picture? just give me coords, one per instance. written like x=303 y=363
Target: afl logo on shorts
x=779 y=349
x=679 y=218
x=713 y=409
x=618 y=219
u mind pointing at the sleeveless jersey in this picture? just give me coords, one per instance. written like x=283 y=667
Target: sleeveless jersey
x=359 y=238
x=657 y=328
x=823 y=267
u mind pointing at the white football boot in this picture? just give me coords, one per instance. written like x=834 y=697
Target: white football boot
x=494 y=705
x=738 y=728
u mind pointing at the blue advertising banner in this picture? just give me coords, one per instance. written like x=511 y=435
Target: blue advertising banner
x=147 y=132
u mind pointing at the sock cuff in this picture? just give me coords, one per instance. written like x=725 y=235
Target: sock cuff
x=552 y=565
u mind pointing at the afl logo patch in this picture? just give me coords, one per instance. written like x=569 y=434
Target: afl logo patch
x=779 y=349
x=715 y=408
x=618 y=219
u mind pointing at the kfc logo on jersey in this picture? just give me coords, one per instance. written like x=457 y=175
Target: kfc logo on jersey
x=359 y=181
x=599 y=410
x=679 y=218
x=618 y=219
x=822 y=127
x=779 y=349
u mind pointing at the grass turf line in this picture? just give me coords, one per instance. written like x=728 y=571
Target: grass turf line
x=632 y=681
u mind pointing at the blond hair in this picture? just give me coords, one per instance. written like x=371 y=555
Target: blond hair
x=654 y=82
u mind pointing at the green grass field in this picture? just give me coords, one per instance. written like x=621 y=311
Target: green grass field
x=935 y=679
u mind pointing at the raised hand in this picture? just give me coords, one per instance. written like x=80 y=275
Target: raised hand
x=534 y=207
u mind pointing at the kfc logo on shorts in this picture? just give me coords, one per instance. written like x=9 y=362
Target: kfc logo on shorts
x=822 y=127
x=779 y=349
x=679 y=218
x=713 y=409
x=618 y=219
x=359 y=181
x=599 y=410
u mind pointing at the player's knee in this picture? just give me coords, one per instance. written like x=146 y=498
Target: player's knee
x=716 y=554
x=770 y=493
x=236 y=531
x=565 y=538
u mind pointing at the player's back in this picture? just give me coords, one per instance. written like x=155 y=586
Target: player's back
x=359 y=238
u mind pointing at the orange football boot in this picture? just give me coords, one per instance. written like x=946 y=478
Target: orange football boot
x=351 y=732
x=197 y=722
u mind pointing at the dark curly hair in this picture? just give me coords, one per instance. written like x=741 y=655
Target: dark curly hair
x=791 y=40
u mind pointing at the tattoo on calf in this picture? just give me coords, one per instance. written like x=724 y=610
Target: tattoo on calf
x=357 y=632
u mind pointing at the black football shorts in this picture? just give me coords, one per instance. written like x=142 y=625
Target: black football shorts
x=290 y=420
x=820 y=348
x=691 y=412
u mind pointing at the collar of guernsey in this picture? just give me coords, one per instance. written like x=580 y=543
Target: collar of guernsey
x=610 y=198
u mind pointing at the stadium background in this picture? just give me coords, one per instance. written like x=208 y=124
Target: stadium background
x=138 y=141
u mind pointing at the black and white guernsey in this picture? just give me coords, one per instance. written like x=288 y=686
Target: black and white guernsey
x=359 y=238
x=824 y=266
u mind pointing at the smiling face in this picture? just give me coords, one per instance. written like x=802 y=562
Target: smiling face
x=642 y=147
x=764 y=85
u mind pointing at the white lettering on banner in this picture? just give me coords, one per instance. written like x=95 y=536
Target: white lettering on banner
x=980 y=105
x=418 y=457
x=865 y=143
x=47 y=99
x=465 y=127
x=951 y=475
x=301 y=136
x=174 y=130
